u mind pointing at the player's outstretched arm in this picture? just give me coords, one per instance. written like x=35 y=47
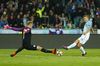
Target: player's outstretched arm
x=87 y=31
x=13 y=28
x=92 y=30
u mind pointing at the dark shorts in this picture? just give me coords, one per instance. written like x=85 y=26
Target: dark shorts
x=31 y=47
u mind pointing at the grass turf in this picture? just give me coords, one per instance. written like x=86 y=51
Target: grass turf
x=70 y=57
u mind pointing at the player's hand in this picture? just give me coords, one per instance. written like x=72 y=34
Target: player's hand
x=24 y=30
x=7 y=27
x=92 y=31
x=84 y=33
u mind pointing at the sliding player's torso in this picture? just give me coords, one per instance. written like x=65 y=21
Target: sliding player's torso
x=26 y=38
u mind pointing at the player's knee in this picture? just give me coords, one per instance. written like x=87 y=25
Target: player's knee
x=77 y=41
x=79 y=45
x=39 y=48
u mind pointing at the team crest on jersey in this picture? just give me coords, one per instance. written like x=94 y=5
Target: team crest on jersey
x=28 y=29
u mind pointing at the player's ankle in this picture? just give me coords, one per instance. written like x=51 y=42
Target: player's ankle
x=14 y=53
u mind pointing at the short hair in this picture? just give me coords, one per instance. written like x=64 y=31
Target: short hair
x=29 y=22
x=86 y=16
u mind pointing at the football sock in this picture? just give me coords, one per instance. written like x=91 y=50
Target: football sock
x=46 y=51
x=20 y=49
x=71 y=46
x=82 y=49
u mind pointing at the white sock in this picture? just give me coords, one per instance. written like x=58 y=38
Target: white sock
x=82 y=49
x=71 y=46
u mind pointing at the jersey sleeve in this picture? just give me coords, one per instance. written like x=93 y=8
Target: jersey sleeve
x=16 y=29
x=27 y=30
x=88 y=24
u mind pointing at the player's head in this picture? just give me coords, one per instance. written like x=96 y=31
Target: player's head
x=30 y=24
x=86 y=18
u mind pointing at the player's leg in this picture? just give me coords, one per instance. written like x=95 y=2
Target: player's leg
x=34 y=47
x=72 y=45
x=46 y=51
x=20 y=49
x=82 y=49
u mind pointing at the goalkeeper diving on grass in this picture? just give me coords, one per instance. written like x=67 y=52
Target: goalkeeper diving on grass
x=26 y=36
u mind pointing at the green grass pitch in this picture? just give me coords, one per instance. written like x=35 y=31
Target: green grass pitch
x=70 y=57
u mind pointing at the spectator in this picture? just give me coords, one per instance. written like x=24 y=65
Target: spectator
x=33 y=12
x=47 y=8
x=21 y=10
x=2 y=7
x=95 y=27
x=11 y=21
x=47 y=2
x=63 y=19
x=80 y=4
x=32 y=19
x=48 y=26
x=45 y=19
x=67 y=27
x=8 y=9
x=41 y=27
x=39 y=11
x=92 y=6
x=19 y=22
x=26 y=9
x=97 y=21
x=0 y=14
x=3 y=1
x=74 y=27
x=92 y=13
x=29 y=12
x=81 y=22
x=51 y=19
x=82 y=1
x=37 y=20
x=4 y=16
x=41 y=1
x=67 y=20
x=24 y=19
x=63 y=3
x=37 y=25
x=3 y=23
x=72 y=10
x=34 y=5
x=66 y=10
x=11 y=4
x=86 y=3
x=57 y=9
x=7 y=12
x=70 y=24
x=85 y=10
x=27 y=16
x=16 y=4
x=92 y=19
x=79 y=15
x=14 y=12
x=53 y=9
x=98 y=11
x=56 y=20
x=40 y=6
x=21 y=14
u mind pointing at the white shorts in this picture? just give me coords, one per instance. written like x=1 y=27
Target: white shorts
x=83 y=39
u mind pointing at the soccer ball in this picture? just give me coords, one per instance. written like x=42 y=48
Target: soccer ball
x=59 y=53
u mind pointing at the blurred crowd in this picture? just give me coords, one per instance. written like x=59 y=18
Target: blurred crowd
x=67 y=14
